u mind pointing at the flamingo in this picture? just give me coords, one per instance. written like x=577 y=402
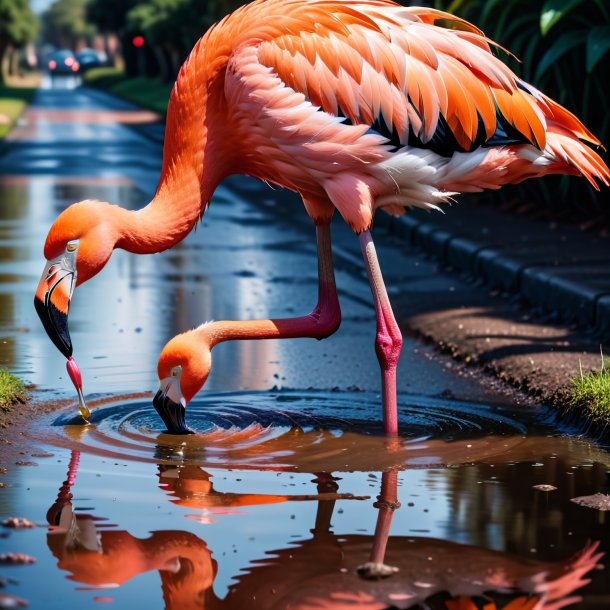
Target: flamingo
x=356 y=106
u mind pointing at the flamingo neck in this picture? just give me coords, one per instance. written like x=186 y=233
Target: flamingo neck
x=194 y=162
x=167 y=219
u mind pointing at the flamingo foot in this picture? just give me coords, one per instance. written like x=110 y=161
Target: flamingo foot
x=375 y=571
x=173 y=414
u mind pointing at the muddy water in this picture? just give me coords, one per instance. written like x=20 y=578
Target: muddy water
x=286 y=494
x=283 y=500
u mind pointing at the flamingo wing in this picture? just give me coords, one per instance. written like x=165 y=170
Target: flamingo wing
x=412 y=74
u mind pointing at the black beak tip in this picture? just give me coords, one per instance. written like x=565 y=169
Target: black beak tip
x=172 y=414
x=56 y=324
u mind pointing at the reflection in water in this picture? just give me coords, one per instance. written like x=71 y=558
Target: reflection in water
x=303 y=431
x=325 y=571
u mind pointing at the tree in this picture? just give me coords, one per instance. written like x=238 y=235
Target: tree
x=65 y=23
x=171 y=27
x=18 y=27
x=110 y=17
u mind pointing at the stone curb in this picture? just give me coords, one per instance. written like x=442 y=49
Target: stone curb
x=563 y=272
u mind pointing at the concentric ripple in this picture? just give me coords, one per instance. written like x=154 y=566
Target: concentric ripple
x=292 y=430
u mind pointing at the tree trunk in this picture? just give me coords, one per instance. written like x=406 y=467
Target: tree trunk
x=5 y=49
x=163 y=63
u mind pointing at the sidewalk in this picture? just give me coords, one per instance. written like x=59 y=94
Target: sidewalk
x=562 y=272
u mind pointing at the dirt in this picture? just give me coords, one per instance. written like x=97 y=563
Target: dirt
x=14 y=425
x=487 y=332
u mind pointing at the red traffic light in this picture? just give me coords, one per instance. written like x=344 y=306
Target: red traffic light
x=137 y=41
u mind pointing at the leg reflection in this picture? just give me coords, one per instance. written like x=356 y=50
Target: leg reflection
x=387 y=503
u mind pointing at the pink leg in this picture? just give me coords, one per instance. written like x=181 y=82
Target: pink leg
x=327 y=313
x=388 y=343
x=387 y=503
x=65 y=491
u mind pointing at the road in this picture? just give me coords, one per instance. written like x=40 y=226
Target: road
x=253 y=256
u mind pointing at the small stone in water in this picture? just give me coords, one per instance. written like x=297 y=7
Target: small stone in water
x=598 y=501
x=11 y=601
x=545 y=487
x=16 y=559
x=18 y=523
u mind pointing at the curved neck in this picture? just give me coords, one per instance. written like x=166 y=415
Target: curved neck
x=167 y=219
x=197 y=155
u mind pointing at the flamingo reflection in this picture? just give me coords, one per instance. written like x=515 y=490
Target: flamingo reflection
x=325 y=572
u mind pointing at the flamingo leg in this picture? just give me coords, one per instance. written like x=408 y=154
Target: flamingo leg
x=327 y=312
x=388 y=342
x=387 y=503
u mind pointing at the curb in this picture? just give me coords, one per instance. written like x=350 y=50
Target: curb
x=563 y=272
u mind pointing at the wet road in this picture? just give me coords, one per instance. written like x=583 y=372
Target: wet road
x=272 y=504
x=253 y=256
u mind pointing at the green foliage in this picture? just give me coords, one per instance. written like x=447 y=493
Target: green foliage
x=12 y=102
x=564 y=47
x=591 y=392
x=18 y=25
x=150 y=93
x=176 y=24
x=65 y=23
x=109 y=16
x=12 y=390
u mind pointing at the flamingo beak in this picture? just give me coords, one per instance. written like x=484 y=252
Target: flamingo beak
x=171 y=405
x=52 y=300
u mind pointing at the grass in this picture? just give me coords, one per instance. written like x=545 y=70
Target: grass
x=12 y=390
x=144 y=91
x=591 y=392
x=13 y=99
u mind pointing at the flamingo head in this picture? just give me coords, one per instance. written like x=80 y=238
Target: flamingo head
x=78 y=246
x=183 y=369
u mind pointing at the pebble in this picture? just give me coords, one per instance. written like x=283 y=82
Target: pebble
x=12 y=601
x=18 y=523
x=16 y=559
x=598 y=501
x=545 y=487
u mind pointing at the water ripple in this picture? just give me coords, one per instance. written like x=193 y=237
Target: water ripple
x=295 y=430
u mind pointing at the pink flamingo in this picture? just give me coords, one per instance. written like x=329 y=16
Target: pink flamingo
x=357 y=106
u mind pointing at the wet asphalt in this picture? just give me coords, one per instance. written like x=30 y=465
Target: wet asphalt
x=253 y=256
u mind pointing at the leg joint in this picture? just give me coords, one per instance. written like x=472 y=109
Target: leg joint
x=326 y=320
x=388 y=346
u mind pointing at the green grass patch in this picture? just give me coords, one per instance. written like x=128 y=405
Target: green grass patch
x=591 y=392
x=147 y=92
x=12 y=390
x=13 y=100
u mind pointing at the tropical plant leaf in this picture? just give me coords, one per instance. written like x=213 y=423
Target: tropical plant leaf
x=598 y=44
x=566 y=42
x=553 y=11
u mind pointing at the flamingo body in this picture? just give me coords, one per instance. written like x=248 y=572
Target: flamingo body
x=357 y=106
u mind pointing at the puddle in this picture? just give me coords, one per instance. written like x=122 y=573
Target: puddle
x=288 y=500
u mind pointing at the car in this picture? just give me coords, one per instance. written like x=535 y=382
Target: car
x=62 y=62
x=88 y=58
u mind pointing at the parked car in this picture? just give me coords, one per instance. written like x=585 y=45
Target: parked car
x=62 y=62
x=88 y=58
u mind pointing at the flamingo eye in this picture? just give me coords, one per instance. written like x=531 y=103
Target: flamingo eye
x=72 y=247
